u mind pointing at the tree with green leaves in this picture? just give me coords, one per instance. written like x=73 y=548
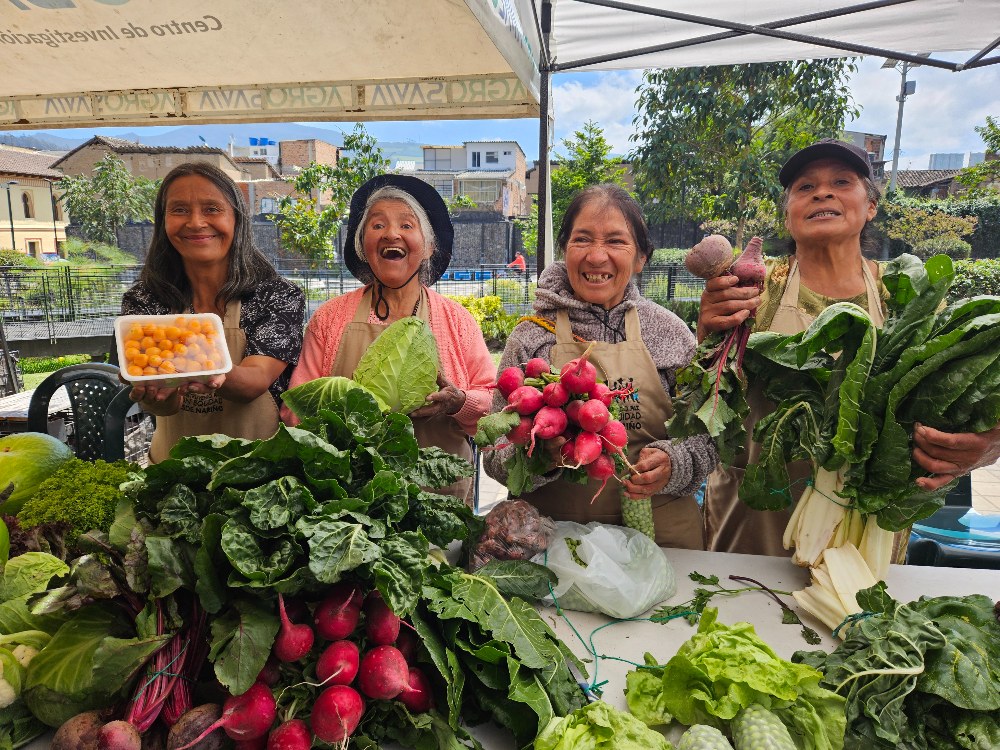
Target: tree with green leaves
x=108 y=200
x=587 y=161
x=710 y=140
x=988 y=171
x=308 y=223
x=458 y=202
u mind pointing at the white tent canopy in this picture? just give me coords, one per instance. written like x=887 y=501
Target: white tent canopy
x=606 y=34
x=73 y=63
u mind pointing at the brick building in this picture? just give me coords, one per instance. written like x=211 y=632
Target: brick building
x=152 y=162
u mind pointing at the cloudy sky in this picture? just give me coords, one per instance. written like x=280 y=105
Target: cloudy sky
x=939 y=118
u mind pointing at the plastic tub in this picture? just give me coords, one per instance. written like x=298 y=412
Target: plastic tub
x=194 y=345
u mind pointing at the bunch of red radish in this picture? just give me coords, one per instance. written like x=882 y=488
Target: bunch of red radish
x=351 y=663
x=571 y=405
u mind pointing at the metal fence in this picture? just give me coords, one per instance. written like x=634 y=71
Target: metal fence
x=71 y=302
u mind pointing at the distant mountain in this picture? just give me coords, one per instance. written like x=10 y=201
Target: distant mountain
x=218 y=136
x=40 y=141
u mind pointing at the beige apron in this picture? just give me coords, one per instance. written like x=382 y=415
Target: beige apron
x=732 y=526
x=677 y=519
x=442 y=430
x=208 y=413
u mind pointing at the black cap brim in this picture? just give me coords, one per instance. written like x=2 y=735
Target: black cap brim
x=828 y=149
x=432 y=203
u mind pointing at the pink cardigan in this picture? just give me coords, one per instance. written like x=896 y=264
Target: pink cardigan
x=465 y=360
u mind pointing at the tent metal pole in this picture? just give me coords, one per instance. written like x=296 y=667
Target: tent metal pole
x=766 y=31
x=982 y=53
x=705 y=39
x=544 y=230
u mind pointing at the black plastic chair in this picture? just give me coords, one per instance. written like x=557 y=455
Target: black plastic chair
x=91 y=388
x=930 y=552
x=126 y=437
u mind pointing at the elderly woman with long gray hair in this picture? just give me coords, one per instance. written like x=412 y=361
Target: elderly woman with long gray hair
x=202 y=260
x=398 y=243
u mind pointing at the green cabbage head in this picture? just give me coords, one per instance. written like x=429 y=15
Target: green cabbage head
x=401 y=366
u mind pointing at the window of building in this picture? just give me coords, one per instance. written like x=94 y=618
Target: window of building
x=444 y=185
x=492 y=157
x=481 y=191
x=477 y=159
x=437 y=159
x=29 y=209
x=508 y=153
x=34 y=248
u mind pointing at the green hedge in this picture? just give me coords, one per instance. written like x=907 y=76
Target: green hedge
x=489 y=313
x=31 y=365
x=974 y=277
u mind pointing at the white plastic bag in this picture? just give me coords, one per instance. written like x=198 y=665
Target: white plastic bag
x=611 y=569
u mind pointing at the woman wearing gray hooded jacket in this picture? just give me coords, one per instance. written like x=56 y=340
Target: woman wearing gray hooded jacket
x=590 y=297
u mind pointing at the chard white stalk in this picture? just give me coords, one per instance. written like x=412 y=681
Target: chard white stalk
x=876 y=548
x=816 y=518
x=832 y=594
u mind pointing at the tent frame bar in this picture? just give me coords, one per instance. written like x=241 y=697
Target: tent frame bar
x=771 y=29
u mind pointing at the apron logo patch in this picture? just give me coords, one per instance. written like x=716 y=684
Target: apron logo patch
x=630 y=410
x=202 y=403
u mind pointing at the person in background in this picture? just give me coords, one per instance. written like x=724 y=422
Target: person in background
x=829 y=202
x=518 y=264
x=202 y=260
x=590 y=297
x=398 y=244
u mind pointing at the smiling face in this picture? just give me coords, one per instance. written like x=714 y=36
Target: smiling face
x=198 y=220
x=393 y=242
x=827 y=203
x=601 y=255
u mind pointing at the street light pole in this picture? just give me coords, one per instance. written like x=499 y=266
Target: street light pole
x=899 y=125
x=10 y=214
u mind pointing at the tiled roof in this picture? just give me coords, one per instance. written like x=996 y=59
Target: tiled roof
x=485 y=174
x=121 y=146
x=915 y=178
x=27 y=163
x=250 y=160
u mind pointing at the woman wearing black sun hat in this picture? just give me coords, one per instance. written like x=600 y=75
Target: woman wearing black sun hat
x=398 y=244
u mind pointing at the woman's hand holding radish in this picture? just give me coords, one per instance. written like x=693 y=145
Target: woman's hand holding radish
x=652 y=473
x=448 y=400
x=725 y=304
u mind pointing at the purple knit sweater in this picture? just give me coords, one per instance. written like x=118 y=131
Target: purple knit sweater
x=671 y=345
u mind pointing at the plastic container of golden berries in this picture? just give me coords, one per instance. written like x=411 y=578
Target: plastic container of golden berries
x=171 y=350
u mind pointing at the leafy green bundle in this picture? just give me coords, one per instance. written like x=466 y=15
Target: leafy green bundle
x=847 y=396
x=723 y=669
x=924 y=675
x=235 y=522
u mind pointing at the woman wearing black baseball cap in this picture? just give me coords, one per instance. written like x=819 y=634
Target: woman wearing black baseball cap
x=830 y=198
x=398 y=244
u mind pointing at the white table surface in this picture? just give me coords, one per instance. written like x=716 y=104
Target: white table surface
x=630 y=640
x=16 y=406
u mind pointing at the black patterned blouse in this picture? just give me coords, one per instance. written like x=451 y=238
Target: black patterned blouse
x=272 y=318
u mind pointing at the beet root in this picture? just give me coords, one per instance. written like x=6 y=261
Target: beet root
x=119 y=735
x=78 y=733
x=193 y=723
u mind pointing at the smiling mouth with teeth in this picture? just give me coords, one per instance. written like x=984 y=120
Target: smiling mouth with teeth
x=392 y=253
x=824 y=213
x=596 y=277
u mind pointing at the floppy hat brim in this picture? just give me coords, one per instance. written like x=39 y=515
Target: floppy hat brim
x=427 y=197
